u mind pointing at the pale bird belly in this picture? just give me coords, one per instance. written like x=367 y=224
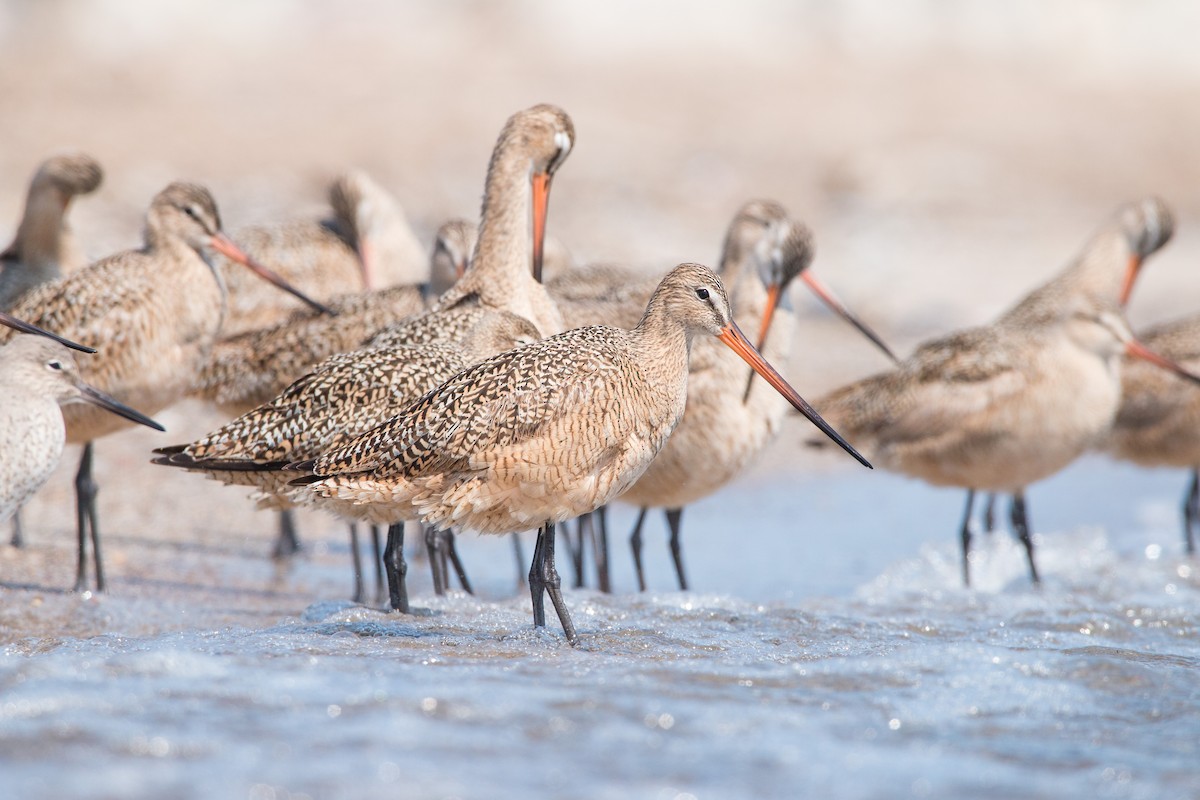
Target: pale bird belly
x=1028 y=437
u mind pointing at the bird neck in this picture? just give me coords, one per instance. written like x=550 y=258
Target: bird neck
x=500 y=274
x=660 y=333
x=43 y=240
x=1093 y=279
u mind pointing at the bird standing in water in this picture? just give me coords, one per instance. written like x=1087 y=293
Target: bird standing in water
x=545 y=432
x=999 y=407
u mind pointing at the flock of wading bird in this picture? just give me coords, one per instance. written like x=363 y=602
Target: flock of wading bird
x=446 y=391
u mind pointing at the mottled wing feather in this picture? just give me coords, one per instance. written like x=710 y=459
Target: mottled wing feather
x=251 y=368
x=93 y=306
x=943 y=384
x=448 y=325
x=342 y=397
x=496 y=405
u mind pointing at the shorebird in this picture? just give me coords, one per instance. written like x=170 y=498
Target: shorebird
x=762 y=252
x=366 y=244
x=342 y=397
x=999 y=407
x=37 y=376
x=531 y=146
x=545 y=432
x=1158 y=424
x=43 y=247
x=155 y=312
x=728 y=422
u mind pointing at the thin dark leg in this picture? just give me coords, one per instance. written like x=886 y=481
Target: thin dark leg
x=18 y=535
x=377 y=553
x=520 y=555
x=600 y=548
x=1020 y=523
x=287 y=544
x=965 y=535
x=396 y=568
x=360 y=592
x=537 y=582
x=674 y=518
x=437 y=564
x=547 y=581
x=635 y=544
x=85 y=495
x=574 y=553
x=1191 y=513
x=451 y=550
x=81 y=521
x=989 y=513
x=583 y=533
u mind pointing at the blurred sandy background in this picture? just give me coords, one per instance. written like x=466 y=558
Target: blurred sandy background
x=949 y=156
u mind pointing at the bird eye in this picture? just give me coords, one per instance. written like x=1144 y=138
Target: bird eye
x=702 y=293
x=192 y=212
x=54 y=364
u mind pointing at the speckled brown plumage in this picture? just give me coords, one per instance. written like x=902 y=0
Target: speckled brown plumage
x=43 y=247
x=251 y=368
x=541 y=433
x=343 y=396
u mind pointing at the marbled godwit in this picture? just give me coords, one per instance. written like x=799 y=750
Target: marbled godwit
x=531 y=146
x=727 y=423
x=367 y=244
x=341 y=398
x=1158 y=424
x=37 y=376
x=43 y=247
x=997 y=408
x=763 y=251
x=249 y=369
x=543 y=433
x=156 y=311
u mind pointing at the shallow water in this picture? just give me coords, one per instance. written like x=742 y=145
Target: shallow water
x=831 y=652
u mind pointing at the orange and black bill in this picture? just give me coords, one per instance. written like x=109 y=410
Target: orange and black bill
x=1136 y=349
x=25 y=327
x=541 y=205
x=733 y=337
x=1131 y=273
x=828 y=298
x=98 y=398
x=775 y=294
x=225 y=246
